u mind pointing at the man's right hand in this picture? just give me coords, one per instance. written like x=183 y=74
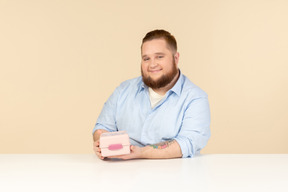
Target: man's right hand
x=96 y=144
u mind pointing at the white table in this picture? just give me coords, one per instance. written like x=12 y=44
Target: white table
x=85 y=172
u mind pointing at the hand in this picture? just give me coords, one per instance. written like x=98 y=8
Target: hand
x=97 y=149
x=96 y=143
x=135 y=153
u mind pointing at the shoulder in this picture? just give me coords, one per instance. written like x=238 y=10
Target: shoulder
x=135 y=82
x=129 y=85
x=192 y=90
x=126 y=88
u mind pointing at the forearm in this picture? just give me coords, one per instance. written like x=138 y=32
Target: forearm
x=163 y=150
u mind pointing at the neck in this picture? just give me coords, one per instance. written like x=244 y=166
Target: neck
x=163 y=90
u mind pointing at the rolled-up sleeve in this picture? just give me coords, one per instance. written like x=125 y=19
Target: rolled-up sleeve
x=106 y=119
x=195 y=130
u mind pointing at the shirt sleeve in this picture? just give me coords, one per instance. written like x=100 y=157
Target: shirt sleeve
x=195 y=130
x=107 y=119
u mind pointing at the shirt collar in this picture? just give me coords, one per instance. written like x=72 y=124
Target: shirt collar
x=142 y=85
x=177 y=88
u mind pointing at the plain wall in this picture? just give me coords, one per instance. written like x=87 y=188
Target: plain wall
x=61 y=60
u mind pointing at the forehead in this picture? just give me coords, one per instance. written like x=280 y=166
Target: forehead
x=154 y=46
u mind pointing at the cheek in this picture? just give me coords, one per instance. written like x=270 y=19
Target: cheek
x=144 y=67
x=166 y=66
x=143 y=71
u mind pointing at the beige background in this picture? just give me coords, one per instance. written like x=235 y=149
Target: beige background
x=60 y=61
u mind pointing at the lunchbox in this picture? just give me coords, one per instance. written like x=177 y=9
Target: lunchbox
x=114 y=143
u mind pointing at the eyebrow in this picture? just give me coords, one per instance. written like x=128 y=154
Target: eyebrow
x=157 y=53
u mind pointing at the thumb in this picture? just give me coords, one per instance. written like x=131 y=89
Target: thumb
x=132 y=147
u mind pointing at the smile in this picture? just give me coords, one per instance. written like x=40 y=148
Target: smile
x=155 y=71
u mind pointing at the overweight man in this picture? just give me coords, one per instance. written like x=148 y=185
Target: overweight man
x=163 y=112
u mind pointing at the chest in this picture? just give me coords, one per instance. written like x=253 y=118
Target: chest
x=136 y=116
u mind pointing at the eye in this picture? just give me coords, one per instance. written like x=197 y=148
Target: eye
x=145 y=59
x=160 y=56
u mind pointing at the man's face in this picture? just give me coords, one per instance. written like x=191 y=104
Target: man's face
x=159 y=65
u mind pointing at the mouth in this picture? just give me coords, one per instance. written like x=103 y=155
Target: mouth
x=155 y=71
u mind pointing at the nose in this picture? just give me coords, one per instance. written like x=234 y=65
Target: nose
x=153 y=63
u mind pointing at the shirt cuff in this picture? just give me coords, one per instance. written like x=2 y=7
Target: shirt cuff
x=186 y=146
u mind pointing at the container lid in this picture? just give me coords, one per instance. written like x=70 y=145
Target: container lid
x=114 y=139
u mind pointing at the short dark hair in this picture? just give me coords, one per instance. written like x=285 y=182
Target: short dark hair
x=161 y=34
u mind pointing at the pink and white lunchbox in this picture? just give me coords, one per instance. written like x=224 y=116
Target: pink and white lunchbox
x=114 y=143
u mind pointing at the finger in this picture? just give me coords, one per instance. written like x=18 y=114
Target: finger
x=96 y=143
x=99 y=155
x=133 y=149
x=95 y=146
x=97 y=149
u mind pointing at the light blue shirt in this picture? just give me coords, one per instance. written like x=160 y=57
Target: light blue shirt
x=183 y=114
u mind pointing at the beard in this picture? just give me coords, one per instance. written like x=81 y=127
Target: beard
x=164 y=80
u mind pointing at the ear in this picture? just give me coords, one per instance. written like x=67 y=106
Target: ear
x=176 y=58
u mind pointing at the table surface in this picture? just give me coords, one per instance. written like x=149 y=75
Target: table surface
x=85 y=172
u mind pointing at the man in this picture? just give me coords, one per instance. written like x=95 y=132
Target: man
x=164 y=114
